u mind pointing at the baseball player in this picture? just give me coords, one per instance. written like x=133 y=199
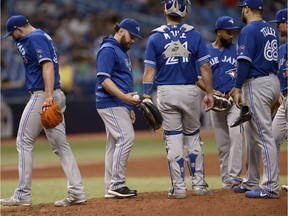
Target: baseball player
x=114 y=103
x=223 y=65
x=279 y=125
x=42 y=81
x=171 y=54
x=256 y=77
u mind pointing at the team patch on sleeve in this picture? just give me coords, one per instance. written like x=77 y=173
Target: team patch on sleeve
x=39 y=53
x=241 y=47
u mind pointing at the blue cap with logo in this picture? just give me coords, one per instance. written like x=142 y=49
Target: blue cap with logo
x=255 y=4
x=226 y=23
x=13 y=23
x=132 y=26
x=281 y=16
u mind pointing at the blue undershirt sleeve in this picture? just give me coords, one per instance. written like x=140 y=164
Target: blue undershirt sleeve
x=242 y=72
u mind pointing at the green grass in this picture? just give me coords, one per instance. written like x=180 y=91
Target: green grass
x=94 y=150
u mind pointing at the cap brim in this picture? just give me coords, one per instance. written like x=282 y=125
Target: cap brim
x=242 y=5
x=7 y=35
x=275 y=21
x=230 y=28
x=136 y=35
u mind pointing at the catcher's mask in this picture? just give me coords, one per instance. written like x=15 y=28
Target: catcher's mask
x=176 y=8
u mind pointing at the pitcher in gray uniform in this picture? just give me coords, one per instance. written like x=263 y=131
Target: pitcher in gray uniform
x=42 y=81
x=114 y=103
x=257 y=67
x=223 y=65
x=279 y=125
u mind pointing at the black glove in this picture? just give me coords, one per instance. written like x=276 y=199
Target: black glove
x=245 y=115
x=151 y=114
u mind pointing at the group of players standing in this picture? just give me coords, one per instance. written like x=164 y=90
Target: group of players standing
x=178 y=62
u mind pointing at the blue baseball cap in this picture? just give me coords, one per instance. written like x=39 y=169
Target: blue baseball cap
x=281 y=16
x=226 y=23
x=256 y=4
x=13 y=23
x=132 y=26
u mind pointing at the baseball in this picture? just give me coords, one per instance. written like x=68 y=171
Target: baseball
x=136 y=97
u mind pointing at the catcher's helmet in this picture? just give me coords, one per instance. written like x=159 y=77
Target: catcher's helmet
x=176 y=8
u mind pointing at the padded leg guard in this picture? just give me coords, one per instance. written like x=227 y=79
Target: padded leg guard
x=195 y=159
x=174 y=148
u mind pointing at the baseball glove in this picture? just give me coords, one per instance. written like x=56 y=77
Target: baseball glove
x=151 y=114
x=245 y=115
x=51 y=116
x=222 y=102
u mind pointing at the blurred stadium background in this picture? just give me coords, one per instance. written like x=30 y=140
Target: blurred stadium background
x=77 y=27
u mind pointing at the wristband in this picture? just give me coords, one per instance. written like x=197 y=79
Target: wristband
x=147 y=88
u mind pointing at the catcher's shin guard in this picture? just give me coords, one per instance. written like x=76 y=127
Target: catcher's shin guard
x=174 y=149
x=195 y=158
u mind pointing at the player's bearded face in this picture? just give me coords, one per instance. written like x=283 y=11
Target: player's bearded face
x=225 y=42
x=244 y=19
x=126 y=41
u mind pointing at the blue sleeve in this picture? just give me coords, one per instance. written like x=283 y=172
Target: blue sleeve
x=150 y=54
x=105 y=62
x=202 y=55
x=40 y=48
x=242 y=72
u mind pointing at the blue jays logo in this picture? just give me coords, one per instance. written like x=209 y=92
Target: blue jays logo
x=231 y=21
x=128 y=64
x=232 y=73
x=39 y=52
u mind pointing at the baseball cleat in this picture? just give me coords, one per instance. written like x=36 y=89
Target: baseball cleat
x=200 y=191
x=235 y=182
x=13 y=201
x=71 y=199
x=123 y=192
x=176 y=195
x=240 y=189
x=284 y=187
x=109 y=196
x=259 y=193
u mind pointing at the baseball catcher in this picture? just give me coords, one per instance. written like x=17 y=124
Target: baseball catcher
x=151 y=114
x=51 y=116
x=222 y=102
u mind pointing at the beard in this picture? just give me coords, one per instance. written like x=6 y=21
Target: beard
x=126 y=45
x=225 y=43
x=243 y=18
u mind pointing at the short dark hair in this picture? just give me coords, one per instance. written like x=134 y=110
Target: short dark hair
x=175 y=18
x=117 y=27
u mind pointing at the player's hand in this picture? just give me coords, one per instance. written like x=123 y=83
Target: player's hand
x=208 y=102
x=47 y=103
x=132 y=116
x=235 y=93
x=130 y=98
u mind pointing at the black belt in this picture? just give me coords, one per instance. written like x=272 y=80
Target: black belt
x=32 y=91
x=262 y=75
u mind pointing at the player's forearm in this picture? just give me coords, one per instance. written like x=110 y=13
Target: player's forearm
x=49 y=79
x=207 y=77
x=242 y=72
x=148 y=80
x=111 y=87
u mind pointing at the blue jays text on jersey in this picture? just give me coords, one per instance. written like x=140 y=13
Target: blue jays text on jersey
x=35 y=48
x=223 y=65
